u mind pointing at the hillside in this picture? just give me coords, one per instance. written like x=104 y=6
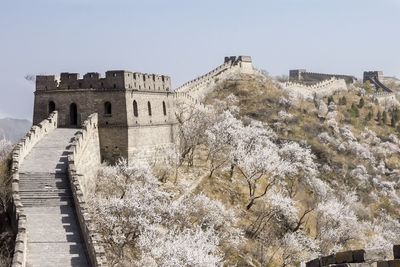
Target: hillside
x=260 y=178
x=356 y=147
x=13 y=129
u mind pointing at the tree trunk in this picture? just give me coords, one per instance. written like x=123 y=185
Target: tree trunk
x=250 y=204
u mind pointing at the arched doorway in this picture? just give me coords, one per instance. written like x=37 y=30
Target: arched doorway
x=73 y=115
x=52 y=106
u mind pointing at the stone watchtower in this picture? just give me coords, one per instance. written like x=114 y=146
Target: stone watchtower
x=136 y=110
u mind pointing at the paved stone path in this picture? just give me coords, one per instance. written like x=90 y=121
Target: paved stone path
x=53 y=233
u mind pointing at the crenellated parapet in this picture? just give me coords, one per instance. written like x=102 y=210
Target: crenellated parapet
x=383 y=94
x=113 y=80
x=83 y=164
x=385 y=99
x=232 y=63
x=302 y=75
x=320 y=89
x=21 y=150
x=318 y=85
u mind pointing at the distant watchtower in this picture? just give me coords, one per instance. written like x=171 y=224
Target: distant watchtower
x=368 y=75
x=244 y=62
x=136 y=110
x=376 y=78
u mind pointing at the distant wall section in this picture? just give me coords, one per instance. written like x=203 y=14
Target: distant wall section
x=301 y=75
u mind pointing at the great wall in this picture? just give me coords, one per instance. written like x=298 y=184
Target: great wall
x=55 y=165
x=199 y=87
x=53 y=170
x=380 y=257
x=376 y=78
x=78 y=123
x=320 y=89
x=309 y=78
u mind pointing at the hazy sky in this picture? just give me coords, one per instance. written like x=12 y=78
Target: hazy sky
x=186 y=38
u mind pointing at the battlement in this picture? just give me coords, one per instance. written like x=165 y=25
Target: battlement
x=383 y=94
x=320 y=89
x=235 y=60
x=46 y=82
x=113 y=80
x=321 y=84
x=302 y=75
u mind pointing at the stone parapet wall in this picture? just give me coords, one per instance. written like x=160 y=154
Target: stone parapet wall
x=302 y=75
x=383 y=94
x=383 y=257
x=203 y=78
x=321 y=89
x=83 y=163
x=35 y=134
x=200 y=90
x=85 y=151
x=386 y=99
x=231 y=64
x=186 y=98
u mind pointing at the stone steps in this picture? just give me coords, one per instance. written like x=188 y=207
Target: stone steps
x=46 y=195
x=48 y=203
x=53 y=231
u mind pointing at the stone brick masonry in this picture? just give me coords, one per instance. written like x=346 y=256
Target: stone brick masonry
x=389 y=257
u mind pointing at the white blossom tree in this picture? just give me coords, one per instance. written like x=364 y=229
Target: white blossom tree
x=165 y=163
x=337 y=224
x=5 y=148
x=190 y=247
x=141 y=223
x=193 y=121
x=298 y=247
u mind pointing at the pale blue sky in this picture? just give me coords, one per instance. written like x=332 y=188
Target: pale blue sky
x=186 y=38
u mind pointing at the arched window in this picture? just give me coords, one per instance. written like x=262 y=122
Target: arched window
x=135 y=109
x=149 y=107
x=164 y=108
x=52 y=106
x=107 y=108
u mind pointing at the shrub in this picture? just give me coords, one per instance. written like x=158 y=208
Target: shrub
x=343 y=101
x=354 y=112
x=384 y=117
x=369 y=116
x=361 y=103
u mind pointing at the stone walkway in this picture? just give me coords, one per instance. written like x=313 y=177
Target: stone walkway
x=53 y=233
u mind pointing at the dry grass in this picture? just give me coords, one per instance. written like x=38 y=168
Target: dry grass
x=260 y=100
